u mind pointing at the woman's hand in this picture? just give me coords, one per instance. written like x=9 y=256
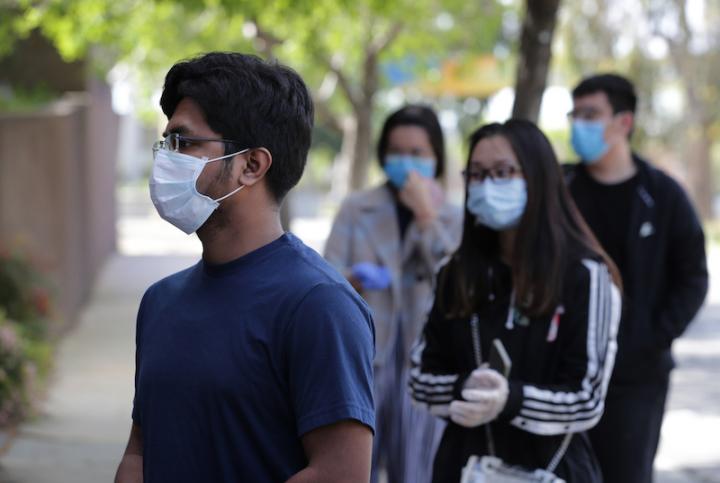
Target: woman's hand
x=370 y=276
x=421 y=195
x=485 y=394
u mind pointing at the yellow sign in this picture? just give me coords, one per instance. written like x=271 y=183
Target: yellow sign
x=481 y=76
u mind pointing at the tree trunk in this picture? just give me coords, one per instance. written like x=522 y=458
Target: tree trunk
x=699 y=167
x=362 y=101
x=362 y=147
x=534 y=57
x=698 y=145
x=340 y=177
x=701 y=116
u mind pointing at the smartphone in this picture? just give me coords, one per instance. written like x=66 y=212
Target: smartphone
x=499 y=358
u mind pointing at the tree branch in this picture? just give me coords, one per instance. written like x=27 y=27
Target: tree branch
x=326 y=115
x=381 y=42
x=343 y=81
x=267 y=40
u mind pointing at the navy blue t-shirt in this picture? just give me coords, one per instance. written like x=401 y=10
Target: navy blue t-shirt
x=236 y=362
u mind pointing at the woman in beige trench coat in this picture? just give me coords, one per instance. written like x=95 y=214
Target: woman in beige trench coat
x=389 y=241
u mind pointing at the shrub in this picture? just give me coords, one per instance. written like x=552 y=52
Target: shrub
x=25 y=352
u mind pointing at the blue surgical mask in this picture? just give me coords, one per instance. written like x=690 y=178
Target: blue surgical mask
x=498 y=204
x=397 y=167
x=588 y=140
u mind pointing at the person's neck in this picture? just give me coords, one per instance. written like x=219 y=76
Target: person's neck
x=239 y=238
x=507 y=245
x=615 y=167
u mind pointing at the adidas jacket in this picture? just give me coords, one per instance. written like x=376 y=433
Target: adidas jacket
x=561 y=365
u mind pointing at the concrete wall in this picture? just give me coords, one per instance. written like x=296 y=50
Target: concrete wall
x=57 y=185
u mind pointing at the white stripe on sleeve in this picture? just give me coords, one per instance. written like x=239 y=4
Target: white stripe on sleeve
x=548 y=412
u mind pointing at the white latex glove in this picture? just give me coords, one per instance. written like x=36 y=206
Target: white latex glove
x=485 y=393
x=485 y=378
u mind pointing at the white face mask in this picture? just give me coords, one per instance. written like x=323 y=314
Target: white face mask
x=498 y=204
x=174 y=193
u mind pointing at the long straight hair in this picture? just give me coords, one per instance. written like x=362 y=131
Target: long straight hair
x=551 y=233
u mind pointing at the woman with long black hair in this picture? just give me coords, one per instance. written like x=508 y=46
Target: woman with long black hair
x=530 y=274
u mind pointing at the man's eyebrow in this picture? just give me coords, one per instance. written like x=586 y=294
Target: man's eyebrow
x=182 y=130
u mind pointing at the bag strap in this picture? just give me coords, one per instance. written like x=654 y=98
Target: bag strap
x=477 y=349
x=560 y=453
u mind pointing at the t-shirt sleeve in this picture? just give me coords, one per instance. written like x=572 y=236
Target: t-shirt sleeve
x=138 y=346
x=329 y=350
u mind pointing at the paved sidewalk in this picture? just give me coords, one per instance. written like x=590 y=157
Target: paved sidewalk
x=690 y=443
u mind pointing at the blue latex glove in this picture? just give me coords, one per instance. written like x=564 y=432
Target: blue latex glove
x=371 y=276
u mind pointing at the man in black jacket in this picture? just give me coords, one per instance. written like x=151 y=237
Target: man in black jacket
x=646 y=223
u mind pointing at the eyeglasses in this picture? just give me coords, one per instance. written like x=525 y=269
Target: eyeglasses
x=584 y=114
x=176 y=142
x=500 y=173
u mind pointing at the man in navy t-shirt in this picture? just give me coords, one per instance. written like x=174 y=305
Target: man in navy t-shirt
x=256 y=363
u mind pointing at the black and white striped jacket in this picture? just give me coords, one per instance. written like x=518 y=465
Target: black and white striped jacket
x=561 y=366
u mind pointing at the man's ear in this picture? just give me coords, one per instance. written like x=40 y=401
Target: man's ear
x=627 y=121
x=256 y=163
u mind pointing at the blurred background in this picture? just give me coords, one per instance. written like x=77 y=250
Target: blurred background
x=80 y=240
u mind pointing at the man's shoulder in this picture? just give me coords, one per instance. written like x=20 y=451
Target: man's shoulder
x=336 y=297
x=656 y=175
x=307 y=270
x=661 y=184
x=307 y=265
x=311 y=272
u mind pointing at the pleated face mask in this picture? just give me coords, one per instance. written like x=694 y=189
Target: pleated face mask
x=588 y=140
x=174 y=192
x=498 y=204
x=398 y=166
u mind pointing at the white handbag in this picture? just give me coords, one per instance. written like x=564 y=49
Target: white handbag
x=491 y=469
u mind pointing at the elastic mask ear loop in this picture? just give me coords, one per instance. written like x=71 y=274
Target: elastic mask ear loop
x=227 y=155
x=229 y=194
x=223 y=157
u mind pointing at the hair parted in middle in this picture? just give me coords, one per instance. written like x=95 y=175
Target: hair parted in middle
x=550 y=235
x=415 y=115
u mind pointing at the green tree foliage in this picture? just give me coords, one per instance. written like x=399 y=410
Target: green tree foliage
x=673 y=49
x=339 y=46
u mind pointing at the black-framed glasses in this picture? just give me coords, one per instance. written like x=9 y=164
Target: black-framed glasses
x=500 y=173
x=176 y=142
